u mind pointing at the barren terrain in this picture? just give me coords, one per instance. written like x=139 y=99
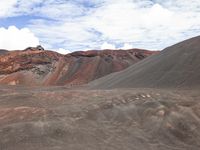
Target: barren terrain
x=41 y=67
x=152 y=105
x=58 y=118
x=177 y=66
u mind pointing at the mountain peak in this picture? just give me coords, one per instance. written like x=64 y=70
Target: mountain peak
x=37 y=48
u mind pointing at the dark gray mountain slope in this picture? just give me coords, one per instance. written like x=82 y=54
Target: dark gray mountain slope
x=177 y=66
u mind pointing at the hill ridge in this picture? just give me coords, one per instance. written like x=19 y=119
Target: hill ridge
x=177 y=66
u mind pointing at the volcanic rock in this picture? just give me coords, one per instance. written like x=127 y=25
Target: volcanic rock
x=33 y=66
x=37 y=48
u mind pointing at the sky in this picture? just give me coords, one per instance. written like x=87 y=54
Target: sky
x=70 y=25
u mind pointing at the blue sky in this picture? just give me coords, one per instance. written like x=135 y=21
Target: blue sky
x=70 y=25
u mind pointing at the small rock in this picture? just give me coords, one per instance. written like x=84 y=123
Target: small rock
x=148 y=95
x=40 y=48
x=161 y=113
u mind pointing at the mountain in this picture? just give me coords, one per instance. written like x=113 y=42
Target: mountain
x=177 y=66
x=35 y=66
x=2 y=51
x=60 y=117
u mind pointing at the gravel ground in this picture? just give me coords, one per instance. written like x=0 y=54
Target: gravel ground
x=57 y=118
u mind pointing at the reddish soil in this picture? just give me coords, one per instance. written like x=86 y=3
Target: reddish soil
x=38 y=67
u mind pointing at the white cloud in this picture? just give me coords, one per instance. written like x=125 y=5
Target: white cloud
x=55 y=9
x=154 y=26
x=10 y=8
x=63 y=51
x=127 y=46
x=17 y=39
x=106 y=45
x=6 y=7
x=45 y=8
x=76 y=26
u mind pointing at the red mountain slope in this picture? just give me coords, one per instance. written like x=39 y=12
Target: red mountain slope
x=38 y=67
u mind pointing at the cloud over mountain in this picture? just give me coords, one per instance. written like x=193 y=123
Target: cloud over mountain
x=84 y=24
x=14 y=38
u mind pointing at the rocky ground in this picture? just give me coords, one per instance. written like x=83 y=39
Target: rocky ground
x=58 y=118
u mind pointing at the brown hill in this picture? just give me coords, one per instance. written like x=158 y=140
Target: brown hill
x=38 y=67
x=177 y=66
